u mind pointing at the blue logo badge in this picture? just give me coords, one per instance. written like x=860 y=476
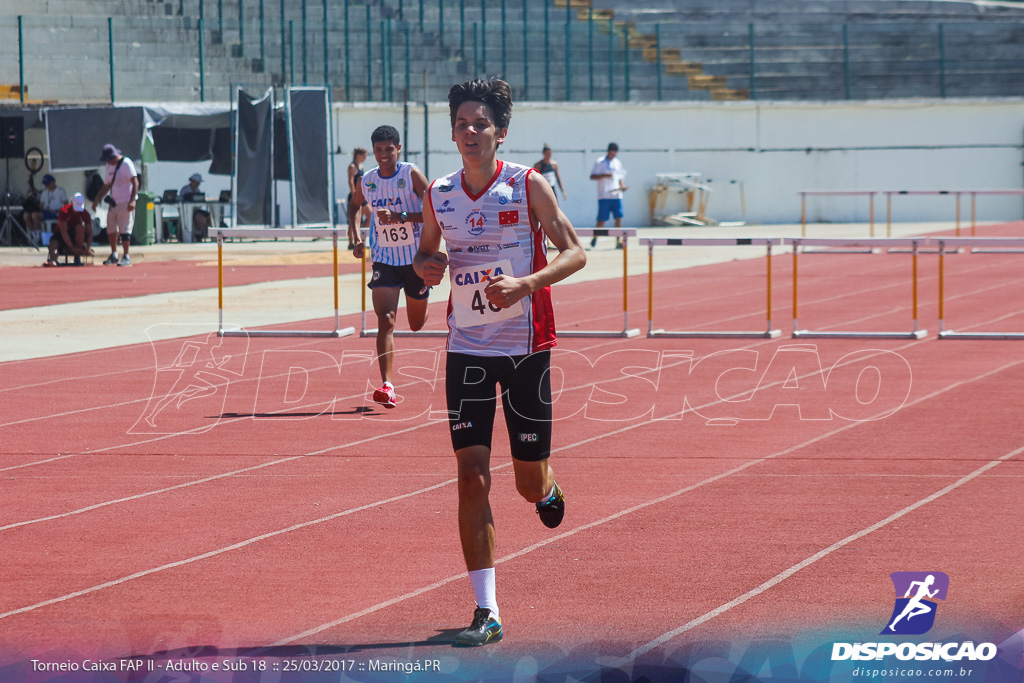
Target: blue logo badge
x=914 y=611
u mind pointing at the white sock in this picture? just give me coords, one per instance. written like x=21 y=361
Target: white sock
x=389 y=385
x=548 y=498
x=483 y=589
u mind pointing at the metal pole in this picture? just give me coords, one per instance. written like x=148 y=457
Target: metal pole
x=504 y=49
x=942 y=296
x=202 y=68
x=389 y=58
x=476 y=55
x=220 y=19
x=327 y=76
x=590 y=50
x=421 y=16
x=462 y=29
x=846 y=59
x=291 y=52
x=526 y=56
x=21 y=62
x=625 y=59
x=408 y=68
x=110 y=44
x=284 y=43
x=568 y=59
x=611 y=59
x=942 y=62
x=657 y=45
x=369 y=57
x=263 y=55
x=914 y=276
x=305 y=80
x=483 y=37
x=796 y=251
x=405 y=108
x=650 y=288
x=241 y=30
x=348 y=97
x=750 y=40
x=426 y=126
x=440 y=23
x=547 y=55
x=769 y=259
x=803 y=214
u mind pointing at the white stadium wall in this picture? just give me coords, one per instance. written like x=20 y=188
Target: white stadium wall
x=773 y=148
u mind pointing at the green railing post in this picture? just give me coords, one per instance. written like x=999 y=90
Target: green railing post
x=590 y=51
x=942 y=62
x=202 y=66
x=750 y=41
x=440 y=23
x=21 y=61
x=110 y=44
x=568 y=60
x=327 y=75
x=483 y=37
x=241 y=30
x=526 y=56
x=657 y=47
x=625 y=60
x=220 y=19
x=476 y=56
x=348 y=94
x=391 y=62
x=462 y=29
x=611 y=60
x=401 y=10
x=421 y=16
x=263 y=52
x=846 y=60
x=305 y=78
x=384 y=60
x=291 y=52
x=369 y=56
x=547 y=54
x=284 y=44
x=504 y=50
x=408 y=63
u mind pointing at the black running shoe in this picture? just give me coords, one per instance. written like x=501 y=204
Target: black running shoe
x=552 y=512
x=484 y=629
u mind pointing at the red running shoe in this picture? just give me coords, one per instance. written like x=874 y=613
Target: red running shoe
x=385 y=395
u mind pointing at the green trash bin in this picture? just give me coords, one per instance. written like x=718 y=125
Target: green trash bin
x=144 y=231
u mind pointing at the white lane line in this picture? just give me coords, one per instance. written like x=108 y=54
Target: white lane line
x=782 y=576
x=617 y=515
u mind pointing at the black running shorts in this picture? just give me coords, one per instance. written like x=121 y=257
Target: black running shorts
x=525 y=383
x=385 y=275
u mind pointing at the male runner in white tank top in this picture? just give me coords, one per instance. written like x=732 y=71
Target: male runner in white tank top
x=394 y=191
x=494 y=217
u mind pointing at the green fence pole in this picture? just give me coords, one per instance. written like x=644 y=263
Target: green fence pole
x=547 y=54
x=220 y=19
x=241 y=30
x=476 y=56
x=504 y=51
x=110 y=44
x=657 y=46
x=568 y=59
x=942 y=62
x=369 y=57
x=483 y=37
x=291 y=52
x=408 y=64
x=284 y=43
x=348 y=94
x=401 y=10
x=391 y=64
x=327 y=76
x=202 y=67
x=846 y=60
x=383 y=60
x=526 y=56
x=625 y=60
x=462 y=29
x=263 y=54
x=21 y=61
x=611 y=60
x=421 y=16
x=440 y=23
x=305 y=79
x=590 y=51
x=750 y=41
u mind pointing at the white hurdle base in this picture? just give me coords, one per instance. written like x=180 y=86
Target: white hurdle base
x=950 y=334
x=811 y=334
x=768 y=334
x=334 y=334
x=406 y=333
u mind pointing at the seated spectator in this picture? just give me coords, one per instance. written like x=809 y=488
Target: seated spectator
x=201 y=220
x=71 y=236
x=32 y=214
x=52 y=199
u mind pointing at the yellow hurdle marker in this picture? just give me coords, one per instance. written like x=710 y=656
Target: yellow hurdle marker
x=767 y=242
x=625 y=332
x=264 y=233
x=912 y=242
x=993 y=245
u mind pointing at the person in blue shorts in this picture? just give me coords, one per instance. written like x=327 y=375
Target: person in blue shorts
x=609 y=174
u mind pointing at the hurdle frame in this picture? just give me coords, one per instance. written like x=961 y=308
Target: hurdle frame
x=231 y=233
x=767 y=242
x=912 y=242
x=624 y=333
x=1011 y=245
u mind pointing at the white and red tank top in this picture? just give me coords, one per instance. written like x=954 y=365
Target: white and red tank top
x=487 y=235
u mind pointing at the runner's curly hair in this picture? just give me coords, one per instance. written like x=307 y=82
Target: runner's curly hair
x=494 y=92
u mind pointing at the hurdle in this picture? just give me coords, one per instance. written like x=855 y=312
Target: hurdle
x=911 y=242
x=229 y=233
x=1004 y=245
x=870 y=194
x=372 y=332
x=625 y=332
x=651 y=242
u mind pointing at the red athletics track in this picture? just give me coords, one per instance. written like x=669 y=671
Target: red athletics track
x=316 y=525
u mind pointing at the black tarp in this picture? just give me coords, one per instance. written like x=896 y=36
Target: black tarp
x=254 y=160
x=75 y=137
x=309 y=112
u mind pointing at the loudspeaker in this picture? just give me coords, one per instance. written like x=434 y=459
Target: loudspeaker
x=12 y=137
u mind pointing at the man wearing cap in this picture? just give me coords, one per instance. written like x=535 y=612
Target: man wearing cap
x=609 y=174
x=122 y=182
x=69 y=237
x=52 y=198
x=201 y=220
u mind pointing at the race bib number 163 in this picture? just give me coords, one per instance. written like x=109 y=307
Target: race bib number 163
x=470 y=305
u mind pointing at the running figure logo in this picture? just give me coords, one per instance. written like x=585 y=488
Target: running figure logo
x=914 y=612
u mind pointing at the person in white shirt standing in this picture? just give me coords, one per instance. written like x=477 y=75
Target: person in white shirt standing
x=609 y=174
x=494 y=216
x=122 y=182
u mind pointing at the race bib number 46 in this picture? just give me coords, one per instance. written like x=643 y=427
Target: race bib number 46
x=469 y=303
x=396 y=235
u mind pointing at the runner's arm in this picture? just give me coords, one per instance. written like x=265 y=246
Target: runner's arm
x=430 y=262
